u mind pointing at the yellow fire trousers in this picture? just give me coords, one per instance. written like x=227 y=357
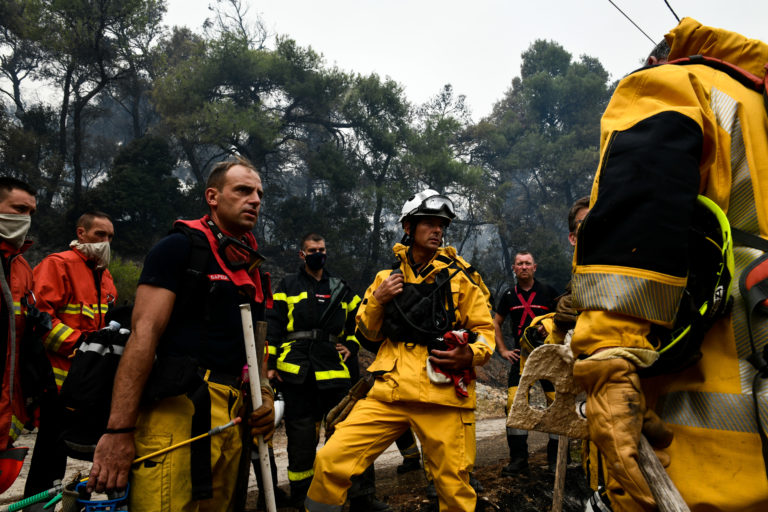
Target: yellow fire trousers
x=447 y=436
x=163 y=483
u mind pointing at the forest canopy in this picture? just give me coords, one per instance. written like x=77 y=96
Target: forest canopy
x=136 y=113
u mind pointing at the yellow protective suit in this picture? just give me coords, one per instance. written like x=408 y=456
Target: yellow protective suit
x=163 y=483
x=669 y=133
x=403 y=396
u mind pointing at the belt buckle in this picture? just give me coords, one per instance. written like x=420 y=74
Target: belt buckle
x=317 y=334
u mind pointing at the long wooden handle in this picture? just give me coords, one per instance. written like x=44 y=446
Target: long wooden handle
x=561 y=468
x=254 y=363
x=667 y=497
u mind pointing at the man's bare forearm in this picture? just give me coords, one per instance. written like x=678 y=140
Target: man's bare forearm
x=132 y=374
x=150 y=317
x=501 y=347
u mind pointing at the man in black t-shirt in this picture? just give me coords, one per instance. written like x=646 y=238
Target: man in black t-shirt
x=191 y=320
x=528 y=299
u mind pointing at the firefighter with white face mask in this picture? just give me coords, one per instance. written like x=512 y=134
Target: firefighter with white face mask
x=17 y=203
x=76 y=289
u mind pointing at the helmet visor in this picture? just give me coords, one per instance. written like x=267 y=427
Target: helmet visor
x=437 y=204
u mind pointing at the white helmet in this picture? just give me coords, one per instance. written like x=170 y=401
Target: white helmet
x=428 y=203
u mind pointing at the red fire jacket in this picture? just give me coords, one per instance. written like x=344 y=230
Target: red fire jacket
x=77 y=297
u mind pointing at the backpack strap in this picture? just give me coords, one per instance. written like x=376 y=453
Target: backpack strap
x=195 y=273
x=197 y=263
x=753 y=286
x=744 y=77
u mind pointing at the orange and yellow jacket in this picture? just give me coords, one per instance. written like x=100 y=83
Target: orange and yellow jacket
x=669 y=133
x=77 y=297
x=403 y=366
x=17 y=282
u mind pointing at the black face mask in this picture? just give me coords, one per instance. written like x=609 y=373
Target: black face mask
x=315 y=261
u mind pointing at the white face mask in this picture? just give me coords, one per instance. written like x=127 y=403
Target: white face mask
x=97 y=252
x=14 y=228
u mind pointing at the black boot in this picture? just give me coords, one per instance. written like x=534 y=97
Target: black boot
x=367 y=503
x=431 y=492
x=476 y=485
x=409 y=464
x=552 y=454
x=518 y=455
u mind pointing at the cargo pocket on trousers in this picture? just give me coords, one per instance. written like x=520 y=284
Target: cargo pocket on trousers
x=151 y=480
x=470 y=448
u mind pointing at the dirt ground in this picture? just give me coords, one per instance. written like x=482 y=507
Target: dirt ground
x=530 y=492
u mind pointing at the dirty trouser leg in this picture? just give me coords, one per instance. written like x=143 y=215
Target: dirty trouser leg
x=49 y=457
x=305 y=407
x=447 y=436
x=163 y=484
x=368 y=430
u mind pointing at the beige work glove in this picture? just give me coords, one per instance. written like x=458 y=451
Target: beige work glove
x=262 y=420
x=565 y=314
x=617 y=417
x=341 y=410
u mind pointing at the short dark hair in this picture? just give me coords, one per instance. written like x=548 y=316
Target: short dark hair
x=310 y=236
x=219 y=172
x=85 y=221
x=524 y=252
x=579 y=205
x=661 y=50
x=9 y=183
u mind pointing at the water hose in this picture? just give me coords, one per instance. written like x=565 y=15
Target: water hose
x=54 y=493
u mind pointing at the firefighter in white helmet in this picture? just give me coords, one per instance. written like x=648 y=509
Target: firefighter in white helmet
x=431 y=315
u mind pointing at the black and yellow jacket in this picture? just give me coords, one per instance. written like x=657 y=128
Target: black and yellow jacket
x=669 y=133
x=302 y=331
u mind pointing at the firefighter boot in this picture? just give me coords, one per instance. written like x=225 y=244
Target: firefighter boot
x=552 y=454
x=518 y=453
x=409 y=464
x=367 y=503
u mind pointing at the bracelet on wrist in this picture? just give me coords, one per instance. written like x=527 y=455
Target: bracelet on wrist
x=124 y=430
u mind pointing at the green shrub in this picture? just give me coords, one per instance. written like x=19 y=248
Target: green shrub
x=126 y=275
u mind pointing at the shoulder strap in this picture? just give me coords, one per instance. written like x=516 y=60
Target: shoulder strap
x=746 y=239
x=200 y=252
x=197 y=263
x=741 y=75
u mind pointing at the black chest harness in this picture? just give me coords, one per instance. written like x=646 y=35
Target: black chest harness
x=424 y=312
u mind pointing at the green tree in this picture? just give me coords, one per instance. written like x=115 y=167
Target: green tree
x=79 y=47
x=539 y=150
x=142 y=196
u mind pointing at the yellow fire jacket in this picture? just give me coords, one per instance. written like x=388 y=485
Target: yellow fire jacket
x=404 y=365
x=669 y=133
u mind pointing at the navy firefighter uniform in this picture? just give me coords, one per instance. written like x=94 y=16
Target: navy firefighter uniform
x=309 y=318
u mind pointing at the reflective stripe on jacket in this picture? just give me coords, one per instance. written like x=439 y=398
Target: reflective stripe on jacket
x=77 y=297
x=300 y=302
x=403 y=365
x=18 y=276
x=669 y=133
